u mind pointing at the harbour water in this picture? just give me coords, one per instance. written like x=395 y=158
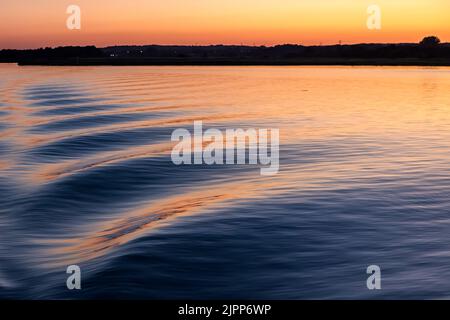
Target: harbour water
x=86 y=178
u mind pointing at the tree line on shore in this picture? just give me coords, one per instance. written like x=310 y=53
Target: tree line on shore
x=428 y=48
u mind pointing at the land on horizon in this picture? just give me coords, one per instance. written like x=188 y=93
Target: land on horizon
x=429 y=52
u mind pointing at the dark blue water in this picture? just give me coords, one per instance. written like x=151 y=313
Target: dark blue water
x=86 y=178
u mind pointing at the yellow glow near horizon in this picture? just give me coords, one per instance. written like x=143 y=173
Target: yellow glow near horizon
x=268 y=22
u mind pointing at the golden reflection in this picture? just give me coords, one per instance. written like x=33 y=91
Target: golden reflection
x=51 y=171
x=336 y=124
x=36 y=140
x=116 y=232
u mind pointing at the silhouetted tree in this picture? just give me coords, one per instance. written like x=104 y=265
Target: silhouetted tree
x=430 y=41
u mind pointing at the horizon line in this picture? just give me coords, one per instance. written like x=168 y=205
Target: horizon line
x=221 y=44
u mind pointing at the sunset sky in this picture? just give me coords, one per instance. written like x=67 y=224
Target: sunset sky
x=30 y=24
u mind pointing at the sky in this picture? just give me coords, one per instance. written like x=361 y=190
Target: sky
x=40 y=23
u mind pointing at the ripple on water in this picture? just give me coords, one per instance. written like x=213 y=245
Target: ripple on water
x=86 y=178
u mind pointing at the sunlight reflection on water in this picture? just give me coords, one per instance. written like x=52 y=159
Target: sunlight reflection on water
x=86 y=178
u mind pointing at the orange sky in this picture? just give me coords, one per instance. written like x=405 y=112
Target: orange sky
x=29 y=24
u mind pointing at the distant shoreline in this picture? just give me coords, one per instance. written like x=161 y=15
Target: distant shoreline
x=235 y=62
x=427 y=53
x=183 y=62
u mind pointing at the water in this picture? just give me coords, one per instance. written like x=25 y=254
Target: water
x=86 y=178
